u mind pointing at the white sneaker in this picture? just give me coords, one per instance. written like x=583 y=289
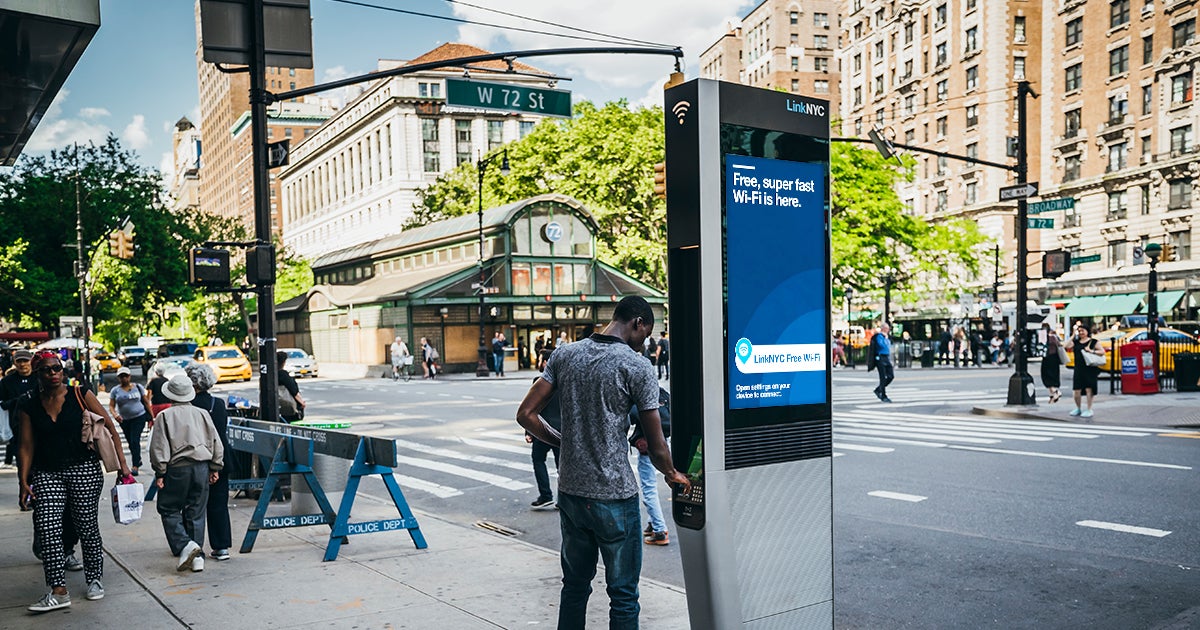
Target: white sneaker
x=1086 y=413
x=72 y=563
x=50 y=601
x=1075 y=412
x=189 y=553
x=95 y=590
x=198 y=563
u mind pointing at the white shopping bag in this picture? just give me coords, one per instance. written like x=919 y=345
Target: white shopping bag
x=127 y=502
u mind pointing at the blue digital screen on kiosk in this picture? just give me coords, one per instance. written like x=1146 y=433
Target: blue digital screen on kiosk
x=776 y=287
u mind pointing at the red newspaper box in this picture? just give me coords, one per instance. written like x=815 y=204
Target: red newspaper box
x=1139 y=368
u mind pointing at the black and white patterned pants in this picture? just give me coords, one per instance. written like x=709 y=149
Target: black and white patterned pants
x=73 y=492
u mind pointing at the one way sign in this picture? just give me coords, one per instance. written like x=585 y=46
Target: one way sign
x=277 y=153
x=1020 y=191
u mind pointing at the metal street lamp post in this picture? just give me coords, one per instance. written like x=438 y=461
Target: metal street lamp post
x=1153 y=252
x=481 y=368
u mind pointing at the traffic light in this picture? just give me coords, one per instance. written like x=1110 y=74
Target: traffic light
x=115 y=240
x=1055 y=263
x=660 y=180
x=1168 y=253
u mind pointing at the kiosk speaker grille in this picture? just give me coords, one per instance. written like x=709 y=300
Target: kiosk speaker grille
x=780 y=443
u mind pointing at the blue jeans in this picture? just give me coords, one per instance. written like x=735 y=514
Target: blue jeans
x=648 y=477
x=498 y=363
x=611 y=529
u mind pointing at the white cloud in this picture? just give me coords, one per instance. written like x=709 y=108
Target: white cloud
x=694 y=26
x=55 y=132
x=92 y=113
x=166 y=165
x=344 y=95
x=135 y=135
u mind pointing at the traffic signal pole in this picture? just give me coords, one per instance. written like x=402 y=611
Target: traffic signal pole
x=259 y=99
x=1020 y=384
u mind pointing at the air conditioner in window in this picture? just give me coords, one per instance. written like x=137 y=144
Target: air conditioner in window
x=1189 y=41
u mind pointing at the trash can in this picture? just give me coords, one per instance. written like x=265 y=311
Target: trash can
x=1187 y=372
x=1139 y=367
x=331 y=472
x=927 y=357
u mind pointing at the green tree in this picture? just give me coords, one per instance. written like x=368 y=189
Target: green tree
x=872 y=231
x=602 y=156
x=37 y=214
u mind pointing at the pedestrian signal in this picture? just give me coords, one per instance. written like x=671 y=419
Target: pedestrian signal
x=660 y=180
x=1055 y=263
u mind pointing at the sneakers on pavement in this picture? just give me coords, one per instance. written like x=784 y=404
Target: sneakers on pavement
x=1075 y=411
x=50 y=601
x=1086 y=413
x=198 y=563
x=220 y=555
x=95 y=590
x=543 y=503
x=884 y=398
x=657 y=538
x=72 y=563
x=648 y=531
x=189 y=553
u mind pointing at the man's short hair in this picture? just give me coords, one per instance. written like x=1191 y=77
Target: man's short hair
x=632 y=307
x=281 y=357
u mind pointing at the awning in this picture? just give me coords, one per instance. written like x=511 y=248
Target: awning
x=1168 y=299
x=1121 y=304
x=1084 y=306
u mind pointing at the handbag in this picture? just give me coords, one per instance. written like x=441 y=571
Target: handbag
x=287 y=403
x=96 y=435
x=5 y=430
x=1062 y=354
x=1092 y=359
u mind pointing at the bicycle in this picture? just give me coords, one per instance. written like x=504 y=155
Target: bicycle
x=404 y=367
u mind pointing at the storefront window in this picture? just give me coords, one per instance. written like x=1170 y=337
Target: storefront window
x=521 y=283
x=564 y=312
x=541 y=279
x=522 y=312
x=543 y=313
x=564 y=280
x=520 y=234
x=539 y=217
x=583 y=279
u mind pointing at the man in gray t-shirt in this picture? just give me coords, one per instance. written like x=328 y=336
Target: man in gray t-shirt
x=597 y=380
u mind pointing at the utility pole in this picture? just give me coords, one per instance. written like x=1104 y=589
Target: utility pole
x=1020 y=384
x=81 y=270
x=996 y=277
x=259 y=99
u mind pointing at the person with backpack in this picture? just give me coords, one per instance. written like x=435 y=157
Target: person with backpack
x=291 y=403
x=553 y=417
x=879 y=356
x=429 y=356
x=656 y=530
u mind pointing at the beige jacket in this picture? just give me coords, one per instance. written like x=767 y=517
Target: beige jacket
x=184 y=434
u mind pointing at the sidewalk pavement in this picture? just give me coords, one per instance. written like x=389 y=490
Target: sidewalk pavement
x=466 y=578
x=1163 y=410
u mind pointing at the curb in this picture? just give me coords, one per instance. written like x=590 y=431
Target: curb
x=1030 y=413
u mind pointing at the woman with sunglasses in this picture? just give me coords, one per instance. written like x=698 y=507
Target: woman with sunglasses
x=62 y=476
x=129 y=403
x=1086 y=376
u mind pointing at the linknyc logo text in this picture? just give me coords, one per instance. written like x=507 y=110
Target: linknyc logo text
x=800 y=107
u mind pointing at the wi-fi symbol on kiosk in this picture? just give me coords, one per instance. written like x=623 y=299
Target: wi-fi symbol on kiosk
x=681 y=109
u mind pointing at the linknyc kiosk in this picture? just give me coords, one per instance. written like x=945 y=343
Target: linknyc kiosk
x=747 y=182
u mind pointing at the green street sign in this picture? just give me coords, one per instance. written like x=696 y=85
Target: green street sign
x=1085 y=259
x=1038 y=224
x=1038 y=207
x=506 y=97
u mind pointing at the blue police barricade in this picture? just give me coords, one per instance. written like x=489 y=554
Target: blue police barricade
x=290 y=455
x=370 y=456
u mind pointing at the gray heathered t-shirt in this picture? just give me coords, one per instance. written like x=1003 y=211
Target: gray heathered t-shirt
x=598 y=379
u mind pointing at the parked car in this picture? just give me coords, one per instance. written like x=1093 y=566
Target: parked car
x=131 y=355
x=227 y=361
x=300 y=363
x=1171 y=341
x=107 y=362
x=173 y=364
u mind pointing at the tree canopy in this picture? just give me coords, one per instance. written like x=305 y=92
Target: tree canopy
x=604 y=157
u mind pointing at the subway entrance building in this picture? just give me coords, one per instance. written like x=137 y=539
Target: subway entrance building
x=540 y=270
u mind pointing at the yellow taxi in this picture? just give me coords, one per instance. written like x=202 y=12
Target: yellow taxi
x=227 y=361
x=107 y=362
x=1170 y=342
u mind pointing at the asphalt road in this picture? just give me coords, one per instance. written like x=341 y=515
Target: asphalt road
x=941 y=520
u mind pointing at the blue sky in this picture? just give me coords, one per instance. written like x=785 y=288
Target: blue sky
x=138 y=76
